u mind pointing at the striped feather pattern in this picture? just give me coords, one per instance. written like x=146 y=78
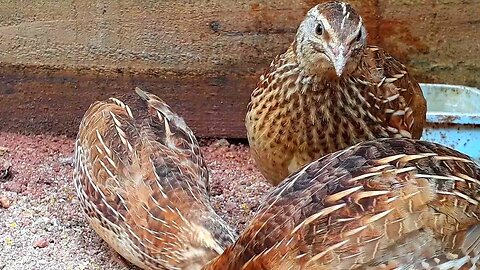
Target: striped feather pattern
x=143 y=184
x=385 y=204
x=300 y=110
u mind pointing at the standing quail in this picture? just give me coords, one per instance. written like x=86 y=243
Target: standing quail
x=329 y=90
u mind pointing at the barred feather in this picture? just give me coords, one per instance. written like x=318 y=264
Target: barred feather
x=301 y=110
x=386 y=204
x=143 y=185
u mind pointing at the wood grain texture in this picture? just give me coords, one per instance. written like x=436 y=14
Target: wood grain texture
x=53 y=101
x=203 y=57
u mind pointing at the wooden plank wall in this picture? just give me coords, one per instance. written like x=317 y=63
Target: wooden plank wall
x=202 y=57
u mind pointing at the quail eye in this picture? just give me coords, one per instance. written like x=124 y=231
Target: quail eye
x=319 y=29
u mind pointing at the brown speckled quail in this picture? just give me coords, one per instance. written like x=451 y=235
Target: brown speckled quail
x=391 y=203
x=329 y=90
x=143 y=184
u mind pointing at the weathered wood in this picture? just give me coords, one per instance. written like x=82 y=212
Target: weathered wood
x=41 y=100
x=181 y=36
x=202 y=57
x=439 y=40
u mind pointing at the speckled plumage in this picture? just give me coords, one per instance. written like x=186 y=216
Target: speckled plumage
x=302 y=110
x=143 y=184
x=391 y=203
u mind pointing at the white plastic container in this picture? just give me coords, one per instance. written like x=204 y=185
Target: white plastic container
x=453 y=117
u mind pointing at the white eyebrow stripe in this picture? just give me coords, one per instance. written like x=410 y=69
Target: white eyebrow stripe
x=344 y=20
x=344 y=6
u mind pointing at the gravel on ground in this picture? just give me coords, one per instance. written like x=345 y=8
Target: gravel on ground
x=42 y=226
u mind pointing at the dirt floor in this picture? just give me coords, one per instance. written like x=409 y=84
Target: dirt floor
x=42 y=226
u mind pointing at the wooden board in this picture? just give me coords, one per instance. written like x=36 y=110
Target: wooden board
x=37 y=100
x=202 y=57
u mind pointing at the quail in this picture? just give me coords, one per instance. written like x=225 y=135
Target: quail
x=143 y=184
x=328 y=91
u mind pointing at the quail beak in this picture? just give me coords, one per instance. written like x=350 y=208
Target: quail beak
x=339 y=58
x=339 y=64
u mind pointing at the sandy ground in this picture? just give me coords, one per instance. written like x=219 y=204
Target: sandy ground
x=42 y=226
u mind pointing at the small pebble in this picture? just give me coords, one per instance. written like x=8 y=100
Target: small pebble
x=42 y=220
x=41 y=243
x=66 y=160
x=221 y=142
x=245 y=208
x=4 y=202
x=54 y=222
